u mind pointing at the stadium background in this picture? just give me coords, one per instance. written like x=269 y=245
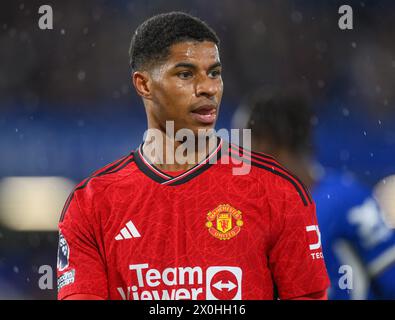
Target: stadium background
x=67 y=106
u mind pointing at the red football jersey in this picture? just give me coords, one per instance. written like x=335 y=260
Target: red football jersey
x=131 y=231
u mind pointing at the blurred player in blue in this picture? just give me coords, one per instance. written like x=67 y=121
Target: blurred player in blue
x=358 y=246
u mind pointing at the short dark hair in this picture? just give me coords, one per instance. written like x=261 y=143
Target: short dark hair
x=152 y=39
x=282 y=118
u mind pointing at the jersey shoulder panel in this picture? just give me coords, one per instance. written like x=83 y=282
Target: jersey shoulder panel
x=100 y=179
x=272 y=173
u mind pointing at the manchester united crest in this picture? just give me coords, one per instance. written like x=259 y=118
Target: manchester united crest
x=224 y=222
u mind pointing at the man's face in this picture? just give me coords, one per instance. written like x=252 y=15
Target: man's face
x=187 y=88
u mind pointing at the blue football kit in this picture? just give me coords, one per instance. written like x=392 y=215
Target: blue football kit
x=359 y=247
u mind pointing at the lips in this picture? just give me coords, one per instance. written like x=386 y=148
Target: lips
x=206 y=114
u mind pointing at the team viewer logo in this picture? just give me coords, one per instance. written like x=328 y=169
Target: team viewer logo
x=223 y=283
x=183 y=283
x=224 y=222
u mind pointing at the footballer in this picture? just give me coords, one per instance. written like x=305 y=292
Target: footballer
x=146 y=229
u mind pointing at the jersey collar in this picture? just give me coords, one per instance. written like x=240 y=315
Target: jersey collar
x=161 y=177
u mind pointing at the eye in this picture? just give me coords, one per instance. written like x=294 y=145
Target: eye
x=184 y=75
x=215 y=73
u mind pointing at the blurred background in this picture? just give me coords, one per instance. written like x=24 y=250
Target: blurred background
x=67 y=106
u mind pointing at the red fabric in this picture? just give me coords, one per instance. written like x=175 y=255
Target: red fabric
x=82 y=297
x=177 y=255
x=322 y=295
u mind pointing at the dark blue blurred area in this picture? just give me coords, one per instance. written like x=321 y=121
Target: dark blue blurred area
x=352 y=141
x=73 y=145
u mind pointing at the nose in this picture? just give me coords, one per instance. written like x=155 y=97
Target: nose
x=206 y=86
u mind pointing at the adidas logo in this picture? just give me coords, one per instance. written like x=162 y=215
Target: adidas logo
x=128 y=232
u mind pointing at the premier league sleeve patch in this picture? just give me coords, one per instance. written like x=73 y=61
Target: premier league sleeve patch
x=63 y=253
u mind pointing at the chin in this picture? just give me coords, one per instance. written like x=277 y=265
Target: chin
x=203 y=127
x=196 y=127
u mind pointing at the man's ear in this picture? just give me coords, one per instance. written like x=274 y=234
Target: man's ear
x=142 y=83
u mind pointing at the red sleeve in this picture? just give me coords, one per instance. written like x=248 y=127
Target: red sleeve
x=80 y=267
x=296 y=259
x=83 y=297
x=322 y=295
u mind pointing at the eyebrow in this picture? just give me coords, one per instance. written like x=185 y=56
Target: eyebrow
x=192 y=66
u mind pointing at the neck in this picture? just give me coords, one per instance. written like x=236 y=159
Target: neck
x=300 y=165
x=302 y=168
x=169 y=154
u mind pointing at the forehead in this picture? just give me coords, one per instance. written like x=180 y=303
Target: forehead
x=196 y=52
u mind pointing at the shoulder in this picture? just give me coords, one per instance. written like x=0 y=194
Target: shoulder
x=276 y=179
x=112 y=172
x=99 y=180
